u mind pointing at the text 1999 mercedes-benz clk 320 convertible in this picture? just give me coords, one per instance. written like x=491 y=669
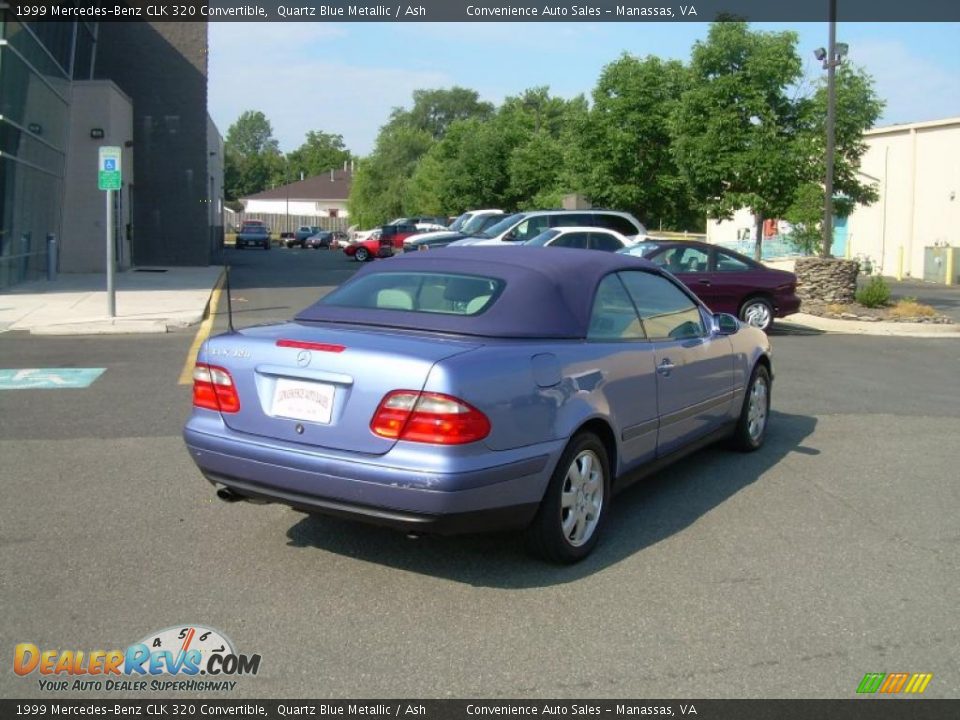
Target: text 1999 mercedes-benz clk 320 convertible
x=478 y=388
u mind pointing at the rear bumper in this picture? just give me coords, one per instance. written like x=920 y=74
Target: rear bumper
x=503 y=493
x=787 y=305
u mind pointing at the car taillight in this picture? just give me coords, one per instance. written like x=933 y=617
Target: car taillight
x=213 y=389
x=428 y=418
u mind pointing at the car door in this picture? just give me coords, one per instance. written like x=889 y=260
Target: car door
x=604 y=241
x=733 y=279
x=694 y=366
x=628 y=371
x=576 y=239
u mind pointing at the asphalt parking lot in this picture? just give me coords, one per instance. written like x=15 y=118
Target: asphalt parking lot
x=786 y=573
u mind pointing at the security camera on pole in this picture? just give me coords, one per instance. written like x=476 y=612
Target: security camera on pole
x=108 y=178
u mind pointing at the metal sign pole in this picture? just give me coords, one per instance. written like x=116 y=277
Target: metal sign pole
x=111 y=295
x=109 y=179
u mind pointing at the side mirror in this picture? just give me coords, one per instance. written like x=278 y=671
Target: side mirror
x=725 y=324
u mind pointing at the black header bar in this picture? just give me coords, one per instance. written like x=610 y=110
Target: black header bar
x=189 y=708
x=487 y=10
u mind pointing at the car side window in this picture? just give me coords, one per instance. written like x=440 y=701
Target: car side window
x=667 y=312
x=571 y=220
x=571 y=240
x=530 y=228
x=615 y=222
x=730 y=263
x=614 y=317
x=602 y=241
x=681 y=259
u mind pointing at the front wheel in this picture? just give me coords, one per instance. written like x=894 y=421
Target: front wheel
x=752 y=425
x=572 y=513
x=362 y=254
x=757 y=312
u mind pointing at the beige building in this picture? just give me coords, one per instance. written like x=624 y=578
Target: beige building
x=917 y=171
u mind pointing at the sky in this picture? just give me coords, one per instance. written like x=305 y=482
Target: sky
x=344 y=78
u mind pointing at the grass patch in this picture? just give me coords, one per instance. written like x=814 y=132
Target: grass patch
x=909 y=307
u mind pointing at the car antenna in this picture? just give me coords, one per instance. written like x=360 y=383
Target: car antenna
x=226 y=270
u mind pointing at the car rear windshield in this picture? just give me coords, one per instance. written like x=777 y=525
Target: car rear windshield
x=424 y=292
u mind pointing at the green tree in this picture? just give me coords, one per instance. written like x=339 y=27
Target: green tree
x=434 y=111
x=626 y=142
x=252 y=134
x=253 y=161
x=516 y=158
x=383 y=186
x=380 y=183
x=737 y=129
x=318 y=154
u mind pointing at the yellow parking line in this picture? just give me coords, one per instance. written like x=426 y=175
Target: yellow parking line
x=203 y=332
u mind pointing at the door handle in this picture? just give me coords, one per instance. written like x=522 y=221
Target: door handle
x=703 y=282
x=665 y=367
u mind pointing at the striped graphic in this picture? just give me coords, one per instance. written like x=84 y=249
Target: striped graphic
x=894 y=683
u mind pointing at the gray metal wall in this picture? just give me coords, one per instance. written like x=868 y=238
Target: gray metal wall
x=163 y=68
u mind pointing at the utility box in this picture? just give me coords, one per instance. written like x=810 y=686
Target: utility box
x=941 y=265
x=576 y=201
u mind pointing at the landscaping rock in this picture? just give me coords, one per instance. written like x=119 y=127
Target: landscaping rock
x=828 y=280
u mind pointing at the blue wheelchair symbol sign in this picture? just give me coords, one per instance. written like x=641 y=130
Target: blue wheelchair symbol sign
x=109 y=164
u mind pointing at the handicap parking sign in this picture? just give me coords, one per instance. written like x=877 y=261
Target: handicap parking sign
x=108 y=176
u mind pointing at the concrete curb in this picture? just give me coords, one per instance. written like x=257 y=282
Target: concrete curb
x=803 y=321
x=103 y=327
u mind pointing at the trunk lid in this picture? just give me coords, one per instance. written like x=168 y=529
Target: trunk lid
x=323 y=385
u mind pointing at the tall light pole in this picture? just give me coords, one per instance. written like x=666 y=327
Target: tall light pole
x=832 y=57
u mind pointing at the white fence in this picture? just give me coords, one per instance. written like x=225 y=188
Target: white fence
x=281 y=223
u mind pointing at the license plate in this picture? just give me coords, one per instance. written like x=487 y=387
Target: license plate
x=303 y=400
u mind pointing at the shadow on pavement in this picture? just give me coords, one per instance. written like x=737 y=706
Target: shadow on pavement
x=644 y=515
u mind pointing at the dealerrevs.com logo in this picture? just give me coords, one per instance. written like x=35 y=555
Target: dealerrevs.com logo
x=182 y=652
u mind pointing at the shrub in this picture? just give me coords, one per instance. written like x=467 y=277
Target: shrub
x=875 y=294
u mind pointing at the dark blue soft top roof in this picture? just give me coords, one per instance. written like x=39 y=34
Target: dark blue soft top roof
x=548 y=292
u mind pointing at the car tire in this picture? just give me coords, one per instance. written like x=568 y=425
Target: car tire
x=757 y=312
x=574 y=508
x=362 y=254
x=751 y=427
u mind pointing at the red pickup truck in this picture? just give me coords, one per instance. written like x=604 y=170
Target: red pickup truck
x=381 y=243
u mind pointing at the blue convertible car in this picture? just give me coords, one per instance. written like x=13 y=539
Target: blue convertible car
x=478 y=388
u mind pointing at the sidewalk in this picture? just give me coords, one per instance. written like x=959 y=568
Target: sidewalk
x=802 y=322
x=148 y=300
